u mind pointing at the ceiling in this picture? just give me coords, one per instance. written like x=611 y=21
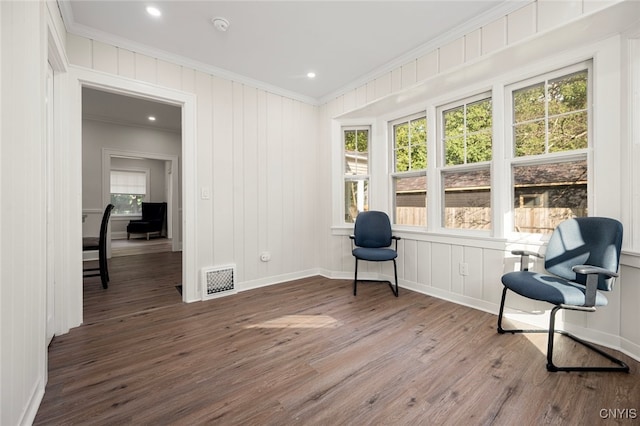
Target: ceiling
x=273 y=45
x=120 y=109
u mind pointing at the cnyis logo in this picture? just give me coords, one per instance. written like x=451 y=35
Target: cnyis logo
x=619 y=413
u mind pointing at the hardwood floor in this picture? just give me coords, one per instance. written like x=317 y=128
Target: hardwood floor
x=135 y=246
x=309 y=352
x=138 y=284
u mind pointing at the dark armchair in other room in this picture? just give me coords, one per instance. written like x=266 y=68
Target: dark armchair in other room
x=154 y=220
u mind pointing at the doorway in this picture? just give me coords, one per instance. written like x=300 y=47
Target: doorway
x=125 y=132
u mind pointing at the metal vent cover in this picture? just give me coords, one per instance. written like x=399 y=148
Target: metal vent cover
x=218 y=281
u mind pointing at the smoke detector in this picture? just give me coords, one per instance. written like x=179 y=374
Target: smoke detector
x=221 y=24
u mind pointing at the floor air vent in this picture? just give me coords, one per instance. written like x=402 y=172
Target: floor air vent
x=219 y=281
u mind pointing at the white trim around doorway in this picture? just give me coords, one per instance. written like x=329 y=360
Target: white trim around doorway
x=83 y=77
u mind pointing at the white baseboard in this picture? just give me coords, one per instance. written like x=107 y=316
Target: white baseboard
x=278 y=279
x=31 y=409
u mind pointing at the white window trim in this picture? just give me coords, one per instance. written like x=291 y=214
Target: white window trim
x=440 y=165
x=338 y=171
x=411 y=173
x=509 y=144
x=631 y=126
x=606 y=105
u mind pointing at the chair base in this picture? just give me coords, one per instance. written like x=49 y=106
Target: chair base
x=159 y=234
x=101 y=271
x=393 y=290
x=622 y=366
x=103 y=278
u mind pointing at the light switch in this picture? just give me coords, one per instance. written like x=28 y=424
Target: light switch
x=204 y=193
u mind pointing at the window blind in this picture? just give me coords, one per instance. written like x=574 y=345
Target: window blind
x=128 y=182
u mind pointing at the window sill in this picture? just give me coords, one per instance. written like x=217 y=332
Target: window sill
x=125 y=217
x=420 y=234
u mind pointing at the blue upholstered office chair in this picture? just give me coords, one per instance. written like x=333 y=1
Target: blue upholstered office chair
x=371 y=241
x=583 y=255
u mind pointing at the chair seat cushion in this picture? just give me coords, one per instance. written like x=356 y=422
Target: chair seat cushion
x=142 y=226
x=374 y=254
x=548 y=288
x=90 y=243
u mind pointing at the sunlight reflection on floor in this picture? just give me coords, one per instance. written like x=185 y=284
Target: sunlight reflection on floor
x=531 y=321
x=298 y=321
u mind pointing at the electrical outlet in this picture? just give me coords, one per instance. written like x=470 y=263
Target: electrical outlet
x=464 y=269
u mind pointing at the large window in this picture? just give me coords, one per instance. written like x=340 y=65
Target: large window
x=128 y=191
x=466 y=141
x=356 y=171
x=550 y=140
x=409 y=137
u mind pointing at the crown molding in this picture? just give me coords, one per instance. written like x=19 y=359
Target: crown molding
x=499 y=11
x=120 y=42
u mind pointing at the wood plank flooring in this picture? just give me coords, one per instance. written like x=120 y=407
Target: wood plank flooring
x=135 y=246
x=138 y=283
x=308 y=352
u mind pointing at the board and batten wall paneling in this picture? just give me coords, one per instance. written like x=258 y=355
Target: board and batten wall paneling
x=289 y=158
x=274 y=174
x=254 y=163
x=237 y=167
x=221 y=166
x=248 y=247
x=23 y=55
x=204 y=136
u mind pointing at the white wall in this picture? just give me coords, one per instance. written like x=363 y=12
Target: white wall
x=255 y=157
x=22 y=217
x=99 y=135
x=264 y=158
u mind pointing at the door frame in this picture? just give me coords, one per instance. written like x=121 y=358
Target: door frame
x=173 y=209
x=82 y=77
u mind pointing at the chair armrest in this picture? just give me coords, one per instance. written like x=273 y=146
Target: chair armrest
x=592 y=273
x=524 y=258
x=588 y=269
x=353 y=239
x=526 y=253
x=395 y=240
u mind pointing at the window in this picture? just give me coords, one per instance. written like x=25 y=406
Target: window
x=128 y=191
x=466 y=170
x=356 y=171
x=550 y=141
x=409 y=137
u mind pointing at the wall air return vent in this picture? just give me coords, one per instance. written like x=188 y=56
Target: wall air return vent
x=218 y=281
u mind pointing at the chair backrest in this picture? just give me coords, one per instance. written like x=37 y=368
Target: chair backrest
x=104 y=225
x=154 y=211
x=372 y=230
x=594 y=241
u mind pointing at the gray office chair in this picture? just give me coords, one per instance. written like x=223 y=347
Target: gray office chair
x=371 y=241
x=582 y=258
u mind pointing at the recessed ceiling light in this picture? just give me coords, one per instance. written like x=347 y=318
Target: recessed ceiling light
x=311 y=74
x=151 y=118
x=153 y=11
